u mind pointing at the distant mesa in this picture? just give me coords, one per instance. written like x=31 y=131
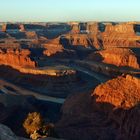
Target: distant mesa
x=120 y=35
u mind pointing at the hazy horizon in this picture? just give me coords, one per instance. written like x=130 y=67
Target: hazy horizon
x=65 y=11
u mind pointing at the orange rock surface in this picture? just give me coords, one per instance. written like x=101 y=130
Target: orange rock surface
x=31 y=35
x=116 y=56
x=4 y=27
x=16 y=57
x=22 y=28
x=95 y=35
x=120 y=28
x=52 y=49
x=79 y=40
x=92 y=27
x=121 y=92
x=121 y=35
x=75 y=28
x=122 y=95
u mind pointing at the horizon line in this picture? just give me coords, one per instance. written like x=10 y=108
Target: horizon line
x=69 y=21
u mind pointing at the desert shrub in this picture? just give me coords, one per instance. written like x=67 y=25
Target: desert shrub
x=33 y=122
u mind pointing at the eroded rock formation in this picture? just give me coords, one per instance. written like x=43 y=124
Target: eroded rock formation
x=22 y=28
x=31 y=35
x=77 y=40
x=111 y=111
x=16 y=58
x=121 y=92
x=52 y=49
x=116 y=56
x=120 y=35
x=95 y=34
x=75 y=28
x=4 y=28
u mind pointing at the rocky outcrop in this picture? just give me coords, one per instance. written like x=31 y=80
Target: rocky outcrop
x=121 y=28
x=4 y=27
x=120 y=35
x=121 y=92
x=75 y=28
x=56 y=49
x=77 y=40
x=22 y=28
x=95 y=34
x=120 y=57
x=92 y=28
x=91 y=38
x=111 y=111
x=52 y=49
x=31 y=35
x=16 y=57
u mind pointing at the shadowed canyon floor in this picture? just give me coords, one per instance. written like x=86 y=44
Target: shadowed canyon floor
x=72 y=81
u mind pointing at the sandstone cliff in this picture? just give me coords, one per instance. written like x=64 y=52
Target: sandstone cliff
x=121 y=35
x=52 y=49
x=116 y=56
x=121 y=92
x=31 y=35
x=77 y=40
x=95 y=34
x=10 y=43
x=16 y=57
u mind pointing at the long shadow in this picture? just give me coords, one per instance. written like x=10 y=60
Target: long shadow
x=85 y=119
x=13 y=115
x=54 y=86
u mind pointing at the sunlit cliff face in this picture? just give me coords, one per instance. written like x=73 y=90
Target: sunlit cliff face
x=16 y=58
x=121 y=35
x=121 y=92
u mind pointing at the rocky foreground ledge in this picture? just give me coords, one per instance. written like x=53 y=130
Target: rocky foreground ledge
x=110 y=111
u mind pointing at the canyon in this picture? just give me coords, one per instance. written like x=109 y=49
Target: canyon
x=80 y=78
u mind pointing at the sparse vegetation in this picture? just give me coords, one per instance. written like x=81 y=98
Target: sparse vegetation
x=35 y=126
x=33 y=122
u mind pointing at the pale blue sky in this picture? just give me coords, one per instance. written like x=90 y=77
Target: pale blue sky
x=69 y=10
